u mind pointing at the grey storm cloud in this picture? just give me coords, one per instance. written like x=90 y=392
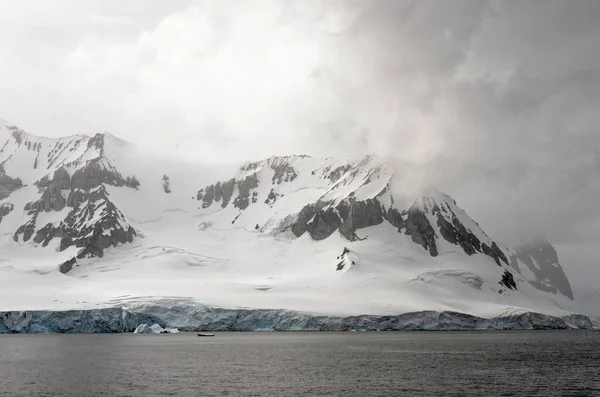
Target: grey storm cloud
x=494 y=102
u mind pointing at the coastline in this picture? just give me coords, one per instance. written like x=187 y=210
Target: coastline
x=205 y=318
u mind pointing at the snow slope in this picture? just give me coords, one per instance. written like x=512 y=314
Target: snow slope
x=89 y=222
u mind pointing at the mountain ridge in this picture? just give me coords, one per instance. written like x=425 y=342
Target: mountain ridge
x=85 y=197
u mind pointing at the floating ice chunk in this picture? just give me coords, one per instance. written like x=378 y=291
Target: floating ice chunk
x=149 y=329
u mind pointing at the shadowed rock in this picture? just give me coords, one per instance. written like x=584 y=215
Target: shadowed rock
x=324 y=224
x=283 y=173
x=244 y=187
x=227 y=191
x=8 y=184
x=62 y=179
x=51 y=200
x=166 y=184
x=420 y=230
x=26 y=230
x=394 y=217
x=95 y=173
x=542 y=260
x=76 y=197
x=93 y=227
x=5 y=209
x=508 y=280
x=358 y=215
x=271 y=198
x=337 y=173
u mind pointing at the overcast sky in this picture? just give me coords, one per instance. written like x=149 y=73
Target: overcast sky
x=494 y=102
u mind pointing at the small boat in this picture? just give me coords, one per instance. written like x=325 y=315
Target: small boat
x=205 y=334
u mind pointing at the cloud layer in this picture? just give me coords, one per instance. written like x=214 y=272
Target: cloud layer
x=494 y=102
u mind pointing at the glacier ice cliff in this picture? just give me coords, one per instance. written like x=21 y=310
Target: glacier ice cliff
x=194 y=317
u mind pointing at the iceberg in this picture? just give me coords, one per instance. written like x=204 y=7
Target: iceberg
x=149 y=329
x=154 y=329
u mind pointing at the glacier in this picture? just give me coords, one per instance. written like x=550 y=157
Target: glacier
x=186 y=317
x=99 y=233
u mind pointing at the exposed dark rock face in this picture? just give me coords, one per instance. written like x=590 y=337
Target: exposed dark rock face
x=5 y=209
x=8 y=184
x=94 y=174
x=62 y=179
x=17 y=134
x=244 y=187
x=43 y=183
x=207 y=196
x=76 y=196
x=420 y=230
x=542 y=260
x=304 y=216
x=324 y=224
x=227 y=191
x=320 y=221
x=508 y=280
x=110 y=228
x=498 y=254
x=93 y=227
x=221 y=191
x=394 y=217
x=26 y=230
x=132 y=182
x=67 y=266
x=456 y=233
x=283 y=173
x=337 y=173
x=271 y=198
x=51 y=200
x=97 y=141
x=358 y=215
x=166 y=184
x=46 y=234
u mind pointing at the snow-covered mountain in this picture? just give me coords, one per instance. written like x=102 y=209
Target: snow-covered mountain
x=89 y=221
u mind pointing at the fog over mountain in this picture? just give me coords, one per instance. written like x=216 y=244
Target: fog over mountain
x=494 y=103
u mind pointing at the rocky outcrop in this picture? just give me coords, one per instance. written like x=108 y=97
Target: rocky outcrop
x=337 y=173
x=96 y=173
x=420 y=230
x=395 y=218
x=93 y=227
x=52 y=199
x=8 y=184
x=323 y=224
x=61 y=178
x=271 y=198
x=5 y=209
x=244 y=187
x=67 y=266
x=97 y=142
x=357 y=215
x=223 y=192
x=508 y=280
x=541 y=259
x=96 y=226
x=453 y=231
x=26 y=229
x=166 y=184
x=76 y=197
x=283 y=172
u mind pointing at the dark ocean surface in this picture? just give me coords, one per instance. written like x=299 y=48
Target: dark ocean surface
x=538 y=363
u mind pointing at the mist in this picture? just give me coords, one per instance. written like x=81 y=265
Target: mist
x=492 y=102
